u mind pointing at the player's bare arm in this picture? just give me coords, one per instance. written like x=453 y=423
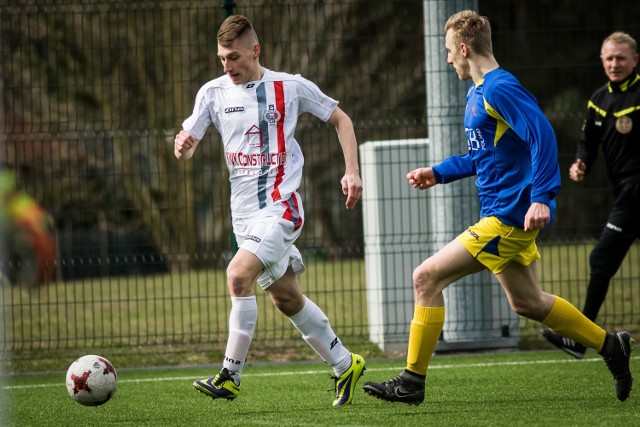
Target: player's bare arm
x=422 y=178
x=351 y=182
x=537 y=217
x=184 y=145
x=577 y=170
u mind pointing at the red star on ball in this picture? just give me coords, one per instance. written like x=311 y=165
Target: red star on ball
x=80 y=382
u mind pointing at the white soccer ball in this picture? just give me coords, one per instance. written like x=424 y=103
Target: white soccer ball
x=91 y=380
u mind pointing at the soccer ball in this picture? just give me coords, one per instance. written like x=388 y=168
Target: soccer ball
x=91 y=380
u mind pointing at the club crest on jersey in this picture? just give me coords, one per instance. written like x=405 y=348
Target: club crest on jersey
x=624 y=124
x=272 y=115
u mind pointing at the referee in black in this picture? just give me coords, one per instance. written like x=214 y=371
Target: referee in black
x=613 y=122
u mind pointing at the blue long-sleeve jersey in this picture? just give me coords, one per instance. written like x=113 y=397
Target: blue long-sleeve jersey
x=512 y=150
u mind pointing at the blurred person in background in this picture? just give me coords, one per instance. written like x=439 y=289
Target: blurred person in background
x=28 y=247
x=613 y=123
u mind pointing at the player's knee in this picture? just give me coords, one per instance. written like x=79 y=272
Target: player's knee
x=287 y=303
x=424 y=280
x=283 y=303
x=239 y=283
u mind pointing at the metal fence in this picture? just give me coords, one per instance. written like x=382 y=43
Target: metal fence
x=93 y=94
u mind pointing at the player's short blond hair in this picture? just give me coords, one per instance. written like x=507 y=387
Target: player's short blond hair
x=235 y=27
x=470 y=28
x=620 y=37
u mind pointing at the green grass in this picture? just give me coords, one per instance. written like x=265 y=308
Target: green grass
x=540 y=388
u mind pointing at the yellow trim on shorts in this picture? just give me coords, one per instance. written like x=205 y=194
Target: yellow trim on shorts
x=496 y=245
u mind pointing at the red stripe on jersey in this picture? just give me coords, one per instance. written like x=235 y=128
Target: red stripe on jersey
x=292 y=212
x=279 y=92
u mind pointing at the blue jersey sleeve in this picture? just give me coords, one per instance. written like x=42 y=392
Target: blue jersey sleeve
x=454 y=168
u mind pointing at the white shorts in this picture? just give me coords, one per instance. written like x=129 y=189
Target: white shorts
x=270 y=236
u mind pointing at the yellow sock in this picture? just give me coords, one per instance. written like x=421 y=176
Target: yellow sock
x=567 y=321
x=426 y=327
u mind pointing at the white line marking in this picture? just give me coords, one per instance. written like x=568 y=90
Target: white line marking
x=325 y=372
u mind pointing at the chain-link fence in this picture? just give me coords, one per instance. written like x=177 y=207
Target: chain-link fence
x=95 y=91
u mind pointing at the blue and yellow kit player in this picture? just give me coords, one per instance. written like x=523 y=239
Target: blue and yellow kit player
x=513 y=155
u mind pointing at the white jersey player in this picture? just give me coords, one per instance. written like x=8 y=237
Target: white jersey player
x=255 y=110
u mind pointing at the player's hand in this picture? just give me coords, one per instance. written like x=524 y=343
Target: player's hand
x=422 y=178
x=352 y=188
x=184 y=144
x=537 y=217
x=577 y=170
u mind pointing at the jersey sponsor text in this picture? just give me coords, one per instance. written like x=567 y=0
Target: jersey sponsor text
x=256 y=159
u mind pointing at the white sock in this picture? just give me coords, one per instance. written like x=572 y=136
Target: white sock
x=314 y=326
x=242 y=323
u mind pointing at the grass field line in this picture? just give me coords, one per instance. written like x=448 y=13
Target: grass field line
x=324 y=371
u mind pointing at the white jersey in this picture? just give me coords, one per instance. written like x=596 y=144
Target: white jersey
x=257 y=122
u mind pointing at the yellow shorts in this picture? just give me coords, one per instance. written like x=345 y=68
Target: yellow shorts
x=495 y=244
